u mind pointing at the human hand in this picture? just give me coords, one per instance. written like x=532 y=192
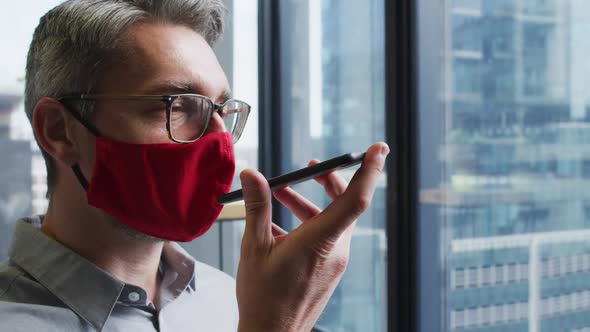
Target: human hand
x=284 y=279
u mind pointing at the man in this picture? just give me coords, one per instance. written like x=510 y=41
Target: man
x=130 y=108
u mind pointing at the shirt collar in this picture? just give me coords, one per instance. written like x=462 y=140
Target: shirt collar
x=82 y=286
x=179 y=269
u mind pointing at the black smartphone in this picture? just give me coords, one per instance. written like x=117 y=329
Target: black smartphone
x=304 y=174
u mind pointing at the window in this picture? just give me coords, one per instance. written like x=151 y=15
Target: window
x=22 y=180
x=467 y=77
x=467 y=33
x=459 y=279
x=486 y=275
x=502 y=40
x=472 y=277
x=511 y=272
x=540 y=7
x=332 y=102
x=501 y=138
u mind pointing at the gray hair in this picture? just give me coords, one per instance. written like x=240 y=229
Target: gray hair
x=77 y=40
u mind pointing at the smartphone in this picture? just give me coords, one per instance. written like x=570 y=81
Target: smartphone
x=302 y=175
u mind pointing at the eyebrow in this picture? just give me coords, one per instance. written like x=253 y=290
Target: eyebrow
x=178 y=88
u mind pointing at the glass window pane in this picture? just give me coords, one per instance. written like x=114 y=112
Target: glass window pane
x=333 y=103
x=22 y=179
x=242 y=21
x=504 y=214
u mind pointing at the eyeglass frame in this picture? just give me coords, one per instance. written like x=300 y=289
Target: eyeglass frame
x=167 y=99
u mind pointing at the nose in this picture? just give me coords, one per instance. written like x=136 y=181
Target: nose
x=216 y=124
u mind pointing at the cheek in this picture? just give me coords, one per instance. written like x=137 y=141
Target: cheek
x=145 y=133
x=133 y=127
x=150 y=130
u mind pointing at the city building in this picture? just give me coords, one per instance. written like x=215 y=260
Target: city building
x=514 y=202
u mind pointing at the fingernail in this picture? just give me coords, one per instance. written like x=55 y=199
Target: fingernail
x=246 y=180
x=385 y=150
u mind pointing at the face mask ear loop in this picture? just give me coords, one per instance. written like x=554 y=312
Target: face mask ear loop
x=76 y=167
x=80 y=176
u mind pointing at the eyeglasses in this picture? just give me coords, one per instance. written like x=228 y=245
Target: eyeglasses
x=187 y=115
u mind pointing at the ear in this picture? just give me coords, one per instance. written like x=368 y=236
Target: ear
x=52 y=125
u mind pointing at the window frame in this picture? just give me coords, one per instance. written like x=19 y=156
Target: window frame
x=401 y=132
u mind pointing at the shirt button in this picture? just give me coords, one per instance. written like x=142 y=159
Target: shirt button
x=133 y=296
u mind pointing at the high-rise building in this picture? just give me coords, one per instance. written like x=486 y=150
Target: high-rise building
x=514 y=201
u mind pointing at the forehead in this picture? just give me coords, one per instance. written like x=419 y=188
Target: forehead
x=159 y=58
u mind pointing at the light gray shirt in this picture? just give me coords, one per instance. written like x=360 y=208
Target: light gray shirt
x=47 y=287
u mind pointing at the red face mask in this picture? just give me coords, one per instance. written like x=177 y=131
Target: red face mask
x=166 y=190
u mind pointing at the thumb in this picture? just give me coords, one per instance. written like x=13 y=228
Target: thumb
x=257 y=201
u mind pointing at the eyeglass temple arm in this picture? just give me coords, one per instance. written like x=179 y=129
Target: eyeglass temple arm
x=85 y=123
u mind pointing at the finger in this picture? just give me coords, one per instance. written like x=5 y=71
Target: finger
x=302 y=208
x=257 y=202
x=356 y=199
x=333 y=183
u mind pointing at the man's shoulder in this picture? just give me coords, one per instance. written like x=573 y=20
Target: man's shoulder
x=211 y=276
x=25 y=305
x=215 y=295
x=17 y=286
x=8 y=275
x=17 y=317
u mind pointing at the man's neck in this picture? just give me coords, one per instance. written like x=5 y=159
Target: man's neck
x=86 y=231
